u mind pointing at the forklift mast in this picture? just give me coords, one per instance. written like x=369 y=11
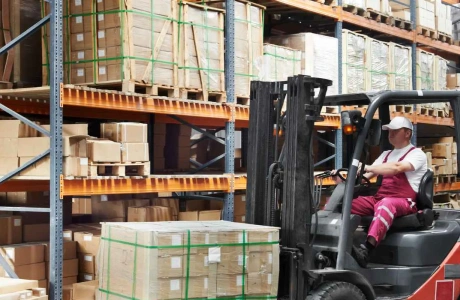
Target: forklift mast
x=295 y=174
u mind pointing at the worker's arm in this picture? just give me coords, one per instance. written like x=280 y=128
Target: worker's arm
x=390 y=168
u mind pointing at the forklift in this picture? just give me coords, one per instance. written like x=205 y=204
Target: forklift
x=419 y=259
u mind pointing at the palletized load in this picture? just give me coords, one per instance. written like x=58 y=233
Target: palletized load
x=279 y=63
x=353 y=62
x=400 y=67
x=177 y=260
x=378 y=69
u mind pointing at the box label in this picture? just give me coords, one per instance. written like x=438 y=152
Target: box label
x=102 y=70
x=80 y=72
x=77 y=2
x=175 y=262
x=176 y=240
x=88 y=238
x=88 y=277
x=88 y=258
x=79 y=19
x=84 y=161
x=100 y=17
x=17 y=222
x=239 y=280
x=104 y=198
x=101 y=52
x=240 y=238
x=270 y=258
x=206 y=283
x=174 y=285
x=80 y=37
x=269 y=279
x=81 y=55
x=214 y=255
x=101 y=34
x=67 y=235
x=240 y=260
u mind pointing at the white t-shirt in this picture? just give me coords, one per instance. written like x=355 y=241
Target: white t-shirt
x=416 y=157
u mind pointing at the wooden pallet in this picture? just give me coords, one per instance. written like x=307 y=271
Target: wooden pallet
x=329 y=110
x=445 y=38
x=403 y=24
x=408 y=109
x=380 y=17
x=426 y=111
x=428 y=32
x=198 y=94
x=445 y=179
x=134 y=87
x=443 y=205
x=243 y=100
x=119 y=169
x=355 y=10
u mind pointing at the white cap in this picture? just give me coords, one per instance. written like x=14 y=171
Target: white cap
x=398 y=123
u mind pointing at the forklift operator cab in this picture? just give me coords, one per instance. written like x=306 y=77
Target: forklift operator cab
x=419 y=258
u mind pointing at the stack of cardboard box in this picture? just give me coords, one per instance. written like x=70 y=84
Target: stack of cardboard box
x=88 y=239
x=80 y=291
x=26 y=260
x=159 y=142
x=177 y=149
x=149 y=214
x=70 y=262
x=11 y=288
x=443 y=18
x=179 y=261
x=443 y=156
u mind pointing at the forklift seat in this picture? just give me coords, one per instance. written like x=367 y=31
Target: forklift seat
x=424 y=217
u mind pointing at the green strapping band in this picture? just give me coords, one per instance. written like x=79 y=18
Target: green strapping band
x=109 y=239
x=220 y=298
x=244 y=263
x=282 y=57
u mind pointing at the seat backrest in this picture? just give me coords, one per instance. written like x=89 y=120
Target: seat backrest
x=426 y=191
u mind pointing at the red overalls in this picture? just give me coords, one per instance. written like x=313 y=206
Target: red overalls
x=395 y=198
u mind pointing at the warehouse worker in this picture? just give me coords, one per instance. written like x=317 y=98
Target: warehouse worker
x=402 y=169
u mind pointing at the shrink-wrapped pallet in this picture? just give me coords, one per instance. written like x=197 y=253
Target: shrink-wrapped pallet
x=440 y=65
x=353 y=62
x=378 y=68
x=183 y=260
x=279 y=63
x=400 y=67
x=118 y=43
x=425 y=70
x=320 y=55
x=201 y=48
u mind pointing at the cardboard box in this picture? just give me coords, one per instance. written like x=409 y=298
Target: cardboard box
x=104 y=210
x=239 y=205
x=31 y=272
x=75 y=146
x=70 y=268
x=210 y=215
x=104 y=151
x=188 y=216
x=196 y=205
x=67 y=292
x=75 y=166
x=11 y=285
x=36 y=233
x=8 y=164
x=149 y=214
x=260 y=283
x=10 y=230
x=40 y=168
x=69 y=280
x=9 y=147
x=23 y=254
x=87 y=263
x=43 y=284
x=83 y=277
x=169 y=202
x=239 y=219
x=134 y=152
x=81 y=206
x=442 y=150
x=85 y=290
x=15 y=129
x=69 y=250
x=87 y=242
x=70 y=129
x=33 y=146
x=125 y=132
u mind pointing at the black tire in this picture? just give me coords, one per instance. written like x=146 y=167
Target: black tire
x=337 y=291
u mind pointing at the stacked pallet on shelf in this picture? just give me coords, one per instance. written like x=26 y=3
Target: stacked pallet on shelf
x=279 y=63
x=455 y=18
x=249 y=25
x=201 y=52
x=319 y=52
x=443 y=21
x=425 y=70
x=426 y=24
x=175 y=264
x=400 y=67
x=354 y=79
x=123 y=44
x=378 y=65
x=442 y=157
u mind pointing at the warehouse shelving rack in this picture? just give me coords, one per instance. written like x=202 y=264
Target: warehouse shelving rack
x=76 y=102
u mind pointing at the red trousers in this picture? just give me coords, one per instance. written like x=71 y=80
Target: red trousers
x=384 y=212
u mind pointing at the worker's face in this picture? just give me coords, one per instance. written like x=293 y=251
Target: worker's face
x=399 y=137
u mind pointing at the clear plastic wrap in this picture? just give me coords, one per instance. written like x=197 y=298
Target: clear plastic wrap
x=201 y=48
x=441 y=73
x=379 y=68
x=400 y=67
x=425 y=70
x=179 y=260
x=357 y=3
x=354 y=63
x=278 y=63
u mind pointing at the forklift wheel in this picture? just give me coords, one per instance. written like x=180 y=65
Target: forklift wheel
x=337 y=291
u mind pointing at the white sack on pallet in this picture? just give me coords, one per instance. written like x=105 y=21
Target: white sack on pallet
x=401 y=67
x=379 y=69
x=354 y=63
x=279 y=63
x=320 y=55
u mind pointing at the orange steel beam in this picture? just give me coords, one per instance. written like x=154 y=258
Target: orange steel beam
x=447 y=187
x=14 y=185
x=153 y=184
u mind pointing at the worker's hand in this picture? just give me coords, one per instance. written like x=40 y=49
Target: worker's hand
x=335 y=178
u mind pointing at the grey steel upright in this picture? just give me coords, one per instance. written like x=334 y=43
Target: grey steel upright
x=230 y=88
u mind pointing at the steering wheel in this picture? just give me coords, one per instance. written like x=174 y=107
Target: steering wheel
x=366 y=180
